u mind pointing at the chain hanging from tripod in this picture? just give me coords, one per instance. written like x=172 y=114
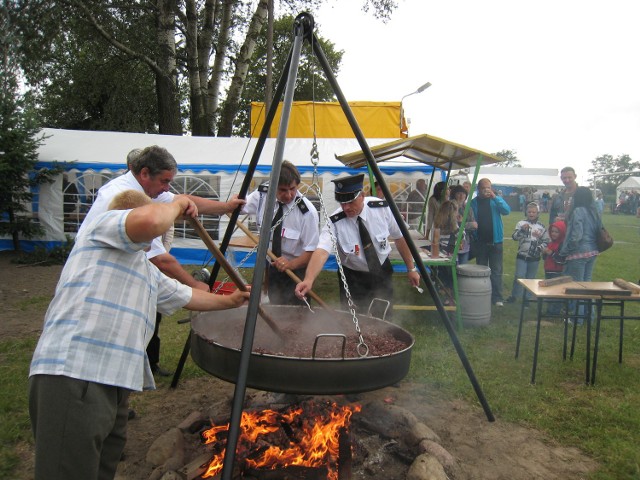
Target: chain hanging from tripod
x=362 y=348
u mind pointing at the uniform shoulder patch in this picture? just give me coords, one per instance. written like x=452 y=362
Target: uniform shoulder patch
x=377 y=203
x=263 y=187
x=338 y=216
x=303 y=206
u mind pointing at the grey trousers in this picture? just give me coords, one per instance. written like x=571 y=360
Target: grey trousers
x=80 y=427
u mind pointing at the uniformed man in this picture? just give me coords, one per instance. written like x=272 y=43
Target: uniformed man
x=362 y=227
x=294 y=238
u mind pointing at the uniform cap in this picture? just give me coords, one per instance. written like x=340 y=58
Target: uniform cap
x=348 y=188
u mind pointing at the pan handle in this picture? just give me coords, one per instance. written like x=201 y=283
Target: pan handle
x=335 y=335
x=381 y=300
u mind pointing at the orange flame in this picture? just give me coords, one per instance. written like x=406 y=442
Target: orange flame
x=311 y=439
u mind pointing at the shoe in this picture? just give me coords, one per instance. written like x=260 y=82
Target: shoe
x=132 y=414
x=499 y=304
x=510 y=300
x=158 y=370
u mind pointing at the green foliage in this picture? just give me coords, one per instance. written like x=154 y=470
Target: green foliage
x=311 y=82
x=510 y=159
x=103 y=65
x=79 y=81
x=605 y=165
x=18 y=146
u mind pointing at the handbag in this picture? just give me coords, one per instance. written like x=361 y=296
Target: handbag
x=604 y=240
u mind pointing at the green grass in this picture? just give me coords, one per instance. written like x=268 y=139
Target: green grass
x=603 y=420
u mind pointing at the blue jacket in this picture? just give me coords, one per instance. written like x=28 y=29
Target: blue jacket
x=498 y=207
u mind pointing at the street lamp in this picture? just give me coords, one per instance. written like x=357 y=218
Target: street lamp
x=420 y=89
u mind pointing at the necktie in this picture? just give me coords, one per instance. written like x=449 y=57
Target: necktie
x=369 y=250
x=276 y=244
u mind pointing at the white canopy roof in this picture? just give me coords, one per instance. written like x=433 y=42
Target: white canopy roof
x=522 y=177
x=631 y=183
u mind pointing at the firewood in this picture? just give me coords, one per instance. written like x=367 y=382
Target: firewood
x=555 y=281
x=196 y=467
x=626 y=285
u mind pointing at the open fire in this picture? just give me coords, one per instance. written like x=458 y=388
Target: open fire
x=303 y=435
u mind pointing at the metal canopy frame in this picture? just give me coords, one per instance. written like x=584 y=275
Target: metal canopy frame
x=303 y=30
x=442 y=155
x=436 y=152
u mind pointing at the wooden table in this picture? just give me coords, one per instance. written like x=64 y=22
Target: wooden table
x=554 y=293
x=601 y=293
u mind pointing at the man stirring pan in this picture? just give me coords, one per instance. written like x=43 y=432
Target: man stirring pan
x=295 y=235
x=362 y=228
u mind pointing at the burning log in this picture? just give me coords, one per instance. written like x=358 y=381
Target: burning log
x=304 y=441
x=291 y=473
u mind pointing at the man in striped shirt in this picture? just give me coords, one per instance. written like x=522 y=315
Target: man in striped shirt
x=91 y=353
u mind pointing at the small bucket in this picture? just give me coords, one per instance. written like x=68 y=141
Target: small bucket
x=474 y=291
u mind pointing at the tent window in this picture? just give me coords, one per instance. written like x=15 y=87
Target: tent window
x=78 y=193
x=205 y=186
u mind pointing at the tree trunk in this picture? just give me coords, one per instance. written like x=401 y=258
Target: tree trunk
x=259 y=18
x=166 y=83
x=196 y=93
x=213 y=88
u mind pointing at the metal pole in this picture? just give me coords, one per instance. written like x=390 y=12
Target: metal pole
x=265 y=230
x=264 y=133
x=405 y=232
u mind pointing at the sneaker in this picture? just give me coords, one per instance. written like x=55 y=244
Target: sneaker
x=499 y=304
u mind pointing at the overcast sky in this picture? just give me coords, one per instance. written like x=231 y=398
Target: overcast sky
x=557 y=81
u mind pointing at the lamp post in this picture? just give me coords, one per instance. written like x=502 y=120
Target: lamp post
x=420 y=89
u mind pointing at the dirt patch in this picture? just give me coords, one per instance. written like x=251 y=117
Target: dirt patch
x=483 y=450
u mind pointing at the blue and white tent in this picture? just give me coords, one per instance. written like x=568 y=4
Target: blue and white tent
x=208 y=166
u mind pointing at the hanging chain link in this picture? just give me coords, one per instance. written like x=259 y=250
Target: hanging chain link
x=362 y=348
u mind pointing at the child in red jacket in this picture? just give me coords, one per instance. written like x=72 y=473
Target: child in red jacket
x=553 y=264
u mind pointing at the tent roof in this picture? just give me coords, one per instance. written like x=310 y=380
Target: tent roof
x=108 y=150
x=630 y=183
x=522 y=177
x=426 y=149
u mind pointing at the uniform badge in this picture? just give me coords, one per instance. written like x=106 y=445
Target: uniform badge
x=383 y=244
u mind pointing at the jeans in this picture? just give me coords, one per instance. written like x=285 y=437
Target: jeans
x=490 y=254
x=524 y=269
x=580 y=269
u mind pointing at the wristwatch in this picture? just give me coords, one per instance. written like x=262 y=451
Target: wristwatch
x=414 y=269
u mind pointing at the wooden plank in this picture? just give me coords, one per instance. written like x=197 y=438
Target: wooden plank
x=626 y=285
x=598 y=291
x=555 y=281
x=430 y=308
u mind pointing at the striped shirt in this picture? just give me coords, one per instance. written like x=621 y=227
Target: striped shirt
x=103 y=313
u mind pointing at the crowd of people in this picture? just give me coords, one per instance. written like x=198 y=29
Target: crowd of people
x=100 y=339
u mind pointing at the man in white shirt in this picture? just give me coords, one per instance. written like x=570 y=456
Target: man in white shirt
x=365 y=260
x=293 y=240
x=152 y=171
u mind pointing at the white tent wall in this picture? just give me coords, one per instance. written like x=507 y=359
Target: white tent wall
x=215 y=164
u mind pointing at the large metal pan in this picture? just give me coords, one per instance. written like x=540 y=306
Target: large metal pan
x=292 y=365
